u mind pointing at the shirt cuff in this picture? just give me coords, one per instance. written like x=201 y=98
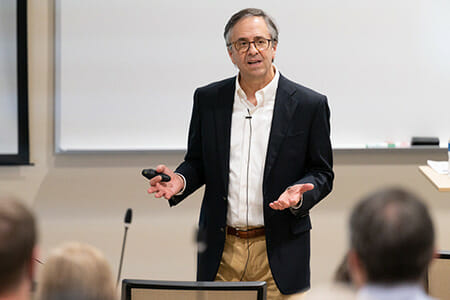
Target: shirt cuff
x=299 y=204
x=184 y=185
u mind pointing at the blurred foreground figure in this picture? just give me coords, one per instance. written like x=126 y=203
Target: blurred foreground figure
x=76 y=271
x=391 y=247
x=17 y=249
x=392 y=244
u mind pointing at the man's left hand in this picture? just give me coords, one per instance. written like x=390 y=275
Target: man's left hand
x=291 y=196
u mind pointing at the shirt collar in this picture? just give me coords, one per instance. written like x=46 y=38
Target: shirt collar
x=398 y=289
x=267 y=93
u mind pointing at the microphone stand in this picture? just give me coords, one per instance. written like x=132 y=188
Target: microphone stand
x=127 y=221
x=121 y=255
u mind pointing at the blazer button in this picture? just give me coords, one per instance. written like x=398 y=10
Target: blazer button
x=224 y=198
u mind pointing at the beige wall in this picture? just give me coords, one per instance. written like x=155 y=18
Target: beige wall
x=84 y=196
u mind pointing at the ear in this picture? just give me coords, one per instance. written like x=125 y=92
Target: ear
x=274 y=49
x=435 y=252
x=230 y=54
x=356 y=269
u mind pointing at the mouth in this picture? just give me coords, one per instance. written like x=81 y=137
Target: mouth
x=254 y=62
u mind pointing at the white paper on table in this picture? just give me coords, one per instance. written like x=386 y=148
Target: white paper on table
x=439 y=166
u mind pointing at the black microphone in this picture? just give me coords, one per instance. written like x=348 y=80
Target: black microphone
x=249 y=116
x=127 y=221
x=128 y=217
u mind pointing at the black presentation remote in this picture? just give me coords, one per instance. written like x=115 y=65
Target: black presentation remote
x=150 y=173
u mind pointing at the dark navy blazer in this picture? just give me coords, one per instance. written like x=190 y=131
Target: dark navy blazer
x=299 y=151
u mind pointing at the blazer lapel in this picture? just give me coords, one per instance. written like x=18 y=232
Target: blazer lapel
x=223 y=128
x=283 y=112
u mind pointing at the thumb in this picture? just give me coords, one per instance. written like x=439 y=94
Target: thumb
x=306 y=187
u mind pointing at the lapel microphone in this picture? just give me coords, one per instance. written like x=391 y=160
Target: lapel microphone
x=127 y=222
x=249 y=116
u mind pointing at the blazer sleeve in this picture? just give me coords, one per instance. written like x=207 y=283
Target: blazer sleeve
x=192 y=166
x=319 y=160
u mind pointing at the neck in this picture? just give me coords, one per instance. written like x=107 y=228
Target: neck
x=251 y=85
x=394 y=285
x=20 y=292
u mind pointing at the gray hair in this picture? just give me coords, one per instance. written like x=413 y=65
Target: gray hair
x=250 y=12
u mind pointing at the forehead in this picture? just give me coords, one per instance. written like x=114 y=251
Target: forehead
x=250 y=27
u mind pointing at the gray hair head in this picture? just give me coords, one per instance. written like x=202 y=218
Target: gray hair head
x=250 y=12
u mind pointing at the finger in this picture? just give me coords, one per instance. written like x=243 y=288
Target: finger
x=157 y=188
x=276 y=205
x=155 y=180
x=159 y=194
x=279 y=207
x=161 y=168
x=152 y=189
x=285 y=205
x=168 y=195
x=273 y=206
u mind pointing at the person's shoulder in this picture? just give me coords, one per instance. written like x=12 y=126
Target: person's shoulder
x=228 y=82
x=332 y=291
x=299 y=90
x=210 y=94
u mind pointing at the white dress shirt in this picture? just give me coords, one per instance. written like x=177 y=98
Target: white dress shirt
x=395 y=292
x=250 y=129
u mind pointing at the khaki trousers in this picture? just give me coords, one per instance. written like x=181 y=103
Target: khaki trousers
x=246 y=260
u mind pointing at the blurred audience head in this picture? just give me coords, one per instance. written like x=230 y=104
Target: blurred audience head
x=76 y=271
x=342 y=274
x=391 y=239
x=17 y=249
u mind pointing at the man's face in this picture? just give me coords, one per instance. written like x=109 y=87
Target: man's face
x=253 y=64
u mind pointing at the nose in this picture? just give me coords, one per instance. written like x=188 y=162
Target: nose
x=252 y=48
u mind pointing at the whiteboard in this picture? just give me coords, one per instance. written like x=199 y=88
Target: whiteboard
x=126 y=71
x=9 y=134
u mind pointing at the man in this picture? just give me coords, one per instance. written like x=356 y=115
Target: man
x=260 y=143
x=17 y=250
x=392 y=244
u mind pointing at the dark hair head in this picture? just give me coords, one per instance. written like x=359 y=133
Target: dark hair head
x=392 y=234
x=250 y=12
x=17 y=241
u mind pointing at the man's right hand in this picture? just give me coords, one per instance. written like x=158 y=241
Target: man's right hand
x=165 y=189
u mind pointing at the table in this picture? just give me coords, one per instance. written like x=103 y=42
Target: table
x=440 y=181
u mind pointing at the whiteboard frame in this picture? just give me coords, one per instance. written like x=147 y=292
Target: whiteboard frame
x=364 y=146
x=22 y=157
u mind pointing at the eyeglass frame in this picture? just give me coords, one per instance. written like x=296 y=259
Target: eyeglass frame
x=229 y=45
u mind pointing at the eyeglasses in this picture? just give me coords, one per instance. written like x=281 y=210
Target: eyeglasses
x=242 y=45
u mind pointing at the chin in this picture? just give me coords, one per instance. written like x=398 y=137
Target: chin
x=259 y=73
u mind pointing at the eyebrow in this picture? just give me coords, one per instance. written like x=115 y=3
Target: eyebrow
x=256 y=37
